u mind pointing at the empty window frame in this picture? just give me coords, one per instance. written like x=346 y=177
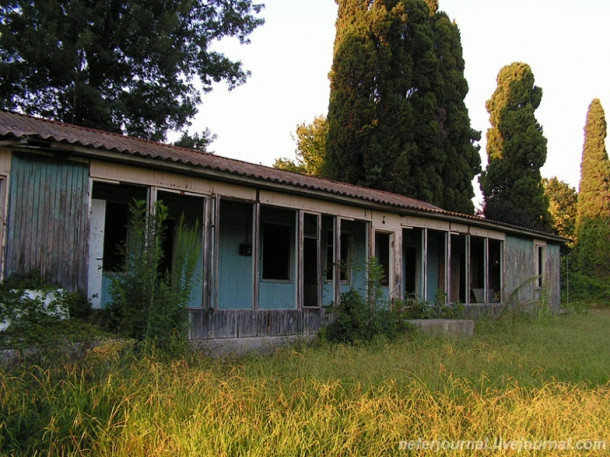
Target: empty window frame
x=539 y=263
x=382 y=252
x=494 y=286
x=118 y=198
x=457 y=286
x=311 y=265
x=345 y=259
x=477 y=269
x=277 y=252
x=412 y=261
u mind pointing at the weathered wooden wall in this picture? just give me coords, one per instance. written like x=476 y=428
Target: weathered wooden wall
x=48 y=219
x=211 y=323
x=519 y=274
x=553 y=273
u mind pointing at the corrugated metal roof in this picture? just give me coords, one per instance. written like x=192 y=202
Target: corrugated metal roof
x=19 y=126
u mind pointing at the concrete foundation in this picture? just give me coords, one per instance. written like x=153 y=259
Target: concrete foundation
x=238 y=347
x=448 y=327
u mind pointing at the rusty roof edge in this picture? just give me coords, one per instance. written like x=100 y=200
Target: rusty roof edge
x=321 y=191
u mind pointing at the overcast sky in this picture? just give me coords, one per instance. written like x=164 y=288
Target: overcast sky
x=565 y=43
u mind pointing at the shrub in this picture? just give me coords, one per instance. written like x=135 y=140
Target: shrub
x=147 y=304
x=414 y=308
x=363 y=317
x=38 y=310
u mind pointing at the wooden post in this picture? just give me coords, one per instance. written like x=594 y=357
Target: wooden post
x=486 y=271
x=396 y=249
x=256 y=244
x=337 y=260
x=447 y=267
x=467 y=270
x=300 y=231
x=424 y=266
x=215 y=216
x=320 y=266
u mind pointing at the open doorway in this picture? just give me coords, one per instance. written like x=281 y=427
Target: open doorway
x=189 y=209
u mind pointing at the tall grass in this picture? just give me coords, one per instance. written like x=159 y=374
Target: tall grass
x=545 y=380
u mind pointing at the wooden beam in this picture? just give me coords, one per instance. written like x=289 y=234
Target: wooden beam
x=256 y=245
x=337 y=260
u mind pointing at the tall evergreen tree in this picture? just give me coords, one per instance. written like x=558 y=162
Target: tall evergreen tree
x=397 y=119
x=593 y=216
x=516 y=150
x=137 y=67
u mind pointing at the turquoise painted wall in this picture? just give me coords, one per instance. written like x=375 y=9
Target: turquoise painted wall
x=235 y=271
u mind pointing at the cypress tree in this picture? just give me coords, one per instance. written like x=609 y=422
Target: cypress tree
x=397 y=119
x=462 y=160
x=516 y=150
x=593 y=214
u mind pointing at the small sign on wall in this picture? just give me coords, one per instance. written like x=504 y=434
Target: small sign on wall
x=245 y=250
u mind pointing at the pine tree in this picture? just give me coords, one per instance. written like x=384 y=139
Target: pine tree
x=516 y=150
x=593 y=216
x=397 y=119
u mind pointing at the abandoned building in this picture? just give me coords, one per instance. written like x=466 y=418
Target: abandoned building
x=277 y=247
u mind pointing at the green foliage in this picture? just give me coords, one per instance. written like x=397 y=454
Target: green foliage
x=198 y=141
x=593 y=216
x=563 y=201
x=364 y=316
x=38 y=312
x=147 y=304
x=516 y=150
x=311 y=149
x=588 y=291
x=594 y=189
x=136 y=67
x=397 y=119
x=413 y=308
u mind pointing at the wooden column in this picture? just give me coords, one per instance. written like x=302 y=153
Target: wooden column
x=256 y=244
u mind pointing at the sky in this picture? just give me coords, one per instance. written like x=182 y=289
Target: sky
x=565 y=43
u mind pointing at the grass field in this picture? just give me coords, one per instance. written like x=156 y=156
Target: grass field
x=514 y=384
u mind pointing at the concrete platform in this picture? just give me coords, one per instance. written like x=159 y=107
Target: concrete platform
x=447 y=327
x=238 y=347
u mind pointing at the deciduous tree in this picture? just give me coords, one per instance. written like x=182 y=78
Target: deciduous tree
x=137 y=67
x=563 y=201
x=311 y=148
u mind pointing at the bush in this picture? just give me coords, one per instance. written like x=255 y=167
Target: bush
x=360 y=317
x=587 y=289
x=45 y=316
x=414 y=308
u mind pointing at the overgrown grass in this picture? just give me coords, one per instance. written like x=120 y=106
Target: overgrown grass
x=518 y=380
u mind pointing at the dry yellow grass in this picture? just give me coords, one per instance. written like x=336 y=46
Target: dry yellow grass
x=525 y=383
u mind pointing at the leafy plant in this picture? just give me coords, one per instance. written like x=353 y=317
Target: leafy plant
x=414 y=308
x=37 y=310
x=363 y=317
x=148 y=304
